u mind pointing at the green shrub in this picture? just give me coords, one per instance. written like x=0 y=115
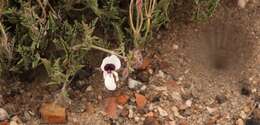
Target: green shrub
x=59 y=34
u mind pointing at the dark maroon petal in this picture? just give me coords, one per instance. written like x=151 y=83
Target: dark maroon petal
x=109 y=67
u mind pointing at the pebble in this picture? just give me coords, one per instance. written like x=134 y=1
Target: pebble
x=221 y=99
x=159 y=36
x=176 y=112
x=175 y=46
x=162 y=112
x=176 y=96
x=151 y=107
x=133 y=84
x=239 y=122
x=16 y=121
x=161 y=74
x=242 y=3
x=137 y=118
x=130 y=113
x=27 y=115
x=3 y=114
x=211 y=110
x=188 y=103
x=243 y=115
x=143 y=88
x=90 y=88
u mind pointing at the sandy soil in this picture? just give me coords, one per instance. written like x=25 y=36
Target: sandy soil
x=209 y=71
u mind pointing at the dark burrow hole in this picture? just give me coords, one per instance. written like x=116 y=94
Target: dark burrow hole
x=229 y=45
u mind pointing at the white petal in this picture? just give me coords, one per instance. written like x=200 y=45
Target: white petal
x=109 y=81
x=116 y=75
x=111 y=60
x=104 y=62
x=116 y=61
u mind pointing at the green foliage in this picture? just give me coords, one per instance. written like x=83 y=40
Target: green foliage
x=161 y=16
x=59 y=34
x=204 y=9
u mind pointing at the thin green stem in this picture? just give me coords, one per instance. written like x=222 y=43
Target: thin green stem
x=107 y=51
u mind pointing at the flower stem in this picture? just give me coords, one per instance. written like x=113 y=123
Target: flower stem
x=107 y=51
x=77 y=47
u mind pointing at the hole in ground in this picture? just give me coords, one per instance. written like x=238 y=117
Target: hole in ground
x=226 y=46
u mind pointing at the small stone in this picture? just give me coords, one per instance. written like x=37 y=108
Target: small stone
x=243 y=115
x=140 y=101
x=176 y=96
x=161 y=74
x=122 y=99
x=90 y=88
x=143 y=88
x=221 y=99
x=151 y=107
x=13 y=123
x=211 y=110
x=188 y=103
x=137 y=118
x=240 y=122
x=176 y=112
x=133 y=84
x=175 y=46
x=52 y=113
x=100 y=97
x=247 y=109
x=16 y=121
x=149 y=114
x=159 y=36
x=131 y=113
x=27 y=115
x=162 y=112
x=242 y=3
x=3 y=114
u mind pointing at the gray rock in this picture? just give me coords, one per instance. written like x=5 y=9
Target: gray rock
x=3 y=114
x=133 y=84
x=162 y=112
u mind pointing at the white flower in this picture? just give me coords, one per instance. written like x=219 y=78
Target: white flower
x=109 y=67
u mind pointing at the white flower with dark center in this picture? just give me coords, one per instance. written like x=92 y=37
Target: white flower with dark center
x=109 y=67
